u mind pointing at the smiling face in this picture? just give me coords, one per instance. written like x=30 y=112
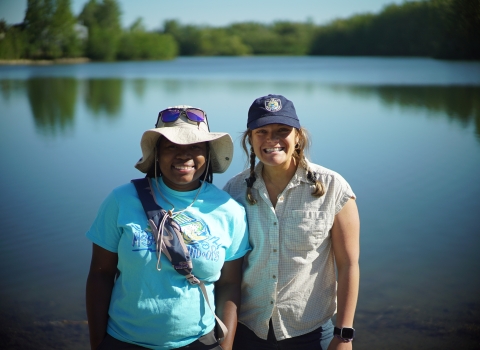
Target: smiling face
x=182 y=165
x=274 y=145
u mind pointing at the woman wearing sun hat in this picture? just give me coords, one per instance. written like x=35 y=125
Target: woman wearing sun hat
x=135 y=298
x=303 y=223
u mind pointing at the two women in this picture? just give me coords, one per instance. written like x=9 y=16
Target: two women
x=304 y=231
x=135 y=297
x=303 y=226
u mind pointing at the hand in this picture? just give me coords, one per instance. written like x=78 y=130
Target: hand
x=338 y=344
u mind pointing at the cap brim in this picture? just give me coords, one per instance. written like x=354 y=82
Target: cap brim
x=274 y=119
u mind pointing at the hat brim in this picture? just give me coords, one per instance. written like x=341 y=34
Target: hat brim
x=221 y=146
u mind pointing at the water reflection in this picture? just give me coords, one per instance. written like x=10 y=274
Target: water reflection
x=104 y=96
x=458 y=103
x=53 y=100
x=10 y=86
x=139 y=87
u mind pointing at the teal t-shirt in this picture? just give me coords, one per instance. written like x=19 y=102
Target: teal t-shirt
x=160 y=309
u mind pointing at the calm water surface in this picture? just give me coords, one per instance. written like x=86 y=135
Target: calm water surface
x=404 y=132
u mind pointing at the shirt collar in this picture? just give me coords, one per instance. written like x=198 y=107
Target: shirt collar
x=299 y=176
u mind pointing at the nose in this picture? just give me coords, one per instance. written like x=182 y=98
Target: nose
x=273 y=136
x=183 y=152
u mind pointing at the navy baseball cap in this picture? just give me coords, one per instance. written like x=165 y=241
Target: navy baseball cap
x=272 y=109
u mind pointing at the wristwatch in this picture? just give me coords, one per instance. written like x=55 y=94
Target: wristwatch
x=346 y=334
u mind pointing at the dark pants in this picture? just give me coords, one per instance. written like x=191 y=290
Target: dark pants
x=319 y=339
x=207 y=342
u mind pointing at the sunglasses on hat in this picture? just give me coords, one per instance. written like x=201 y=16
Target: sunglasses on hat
x=170 y=115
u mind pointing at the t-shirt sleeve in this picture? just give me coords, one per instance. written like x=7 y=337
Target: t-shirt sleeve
x=105 y=231
x=343 y=193
x=239 y=234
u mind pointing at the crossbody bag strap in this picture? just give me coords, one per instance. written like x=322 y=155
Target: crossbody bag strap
x=177 y=252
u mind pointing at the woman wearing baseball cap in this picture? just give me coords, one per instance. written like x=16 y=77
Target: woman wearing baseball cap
x=136 y=298
x=303 y=225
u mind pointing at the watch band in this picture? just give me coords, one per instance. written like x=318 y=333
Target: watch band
x=345 y=333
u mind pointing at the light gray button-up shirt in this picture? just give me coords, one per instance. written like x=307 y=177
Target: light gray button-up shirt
x=289 y=276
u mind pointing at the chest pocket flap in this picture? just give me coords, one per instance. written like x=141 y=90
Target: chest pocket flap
x=306 y=230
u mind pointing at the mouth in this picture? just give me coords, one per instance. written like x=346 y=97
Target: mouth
x=273 y=149
x=184 y=167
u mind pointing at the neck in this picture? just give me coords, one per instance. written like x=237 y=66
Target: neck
x=280 y=174
x=276 y=179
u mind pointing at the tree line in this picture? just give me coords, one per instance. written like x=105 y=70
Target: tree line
x=447 y=29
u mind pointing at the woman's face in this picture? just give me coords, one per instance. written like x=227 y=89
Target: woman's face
x=182 y=165
x=274 y=144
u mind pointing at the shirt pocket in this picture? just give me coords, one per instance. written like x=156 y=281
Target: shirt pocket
x=306 y=230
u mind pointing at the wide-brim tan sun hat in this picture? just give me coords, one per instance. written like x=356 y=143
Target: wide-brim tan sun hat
x=184 y=132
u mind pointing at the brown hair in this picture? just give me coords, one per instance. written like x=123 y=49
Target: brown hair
x=299 y=154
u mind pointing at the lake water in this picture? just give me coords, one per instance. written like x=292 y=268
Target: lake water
x=405 y=133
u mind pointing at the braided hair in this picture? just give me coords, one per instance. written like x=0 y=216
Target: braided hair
x=299 y=154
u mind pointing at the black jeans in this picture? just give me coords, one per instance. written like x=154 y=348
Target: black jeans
x=319 y=339
x=207 y=342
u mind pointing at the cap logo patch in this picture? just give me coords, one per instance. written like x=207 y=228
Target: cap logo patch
x=273 y=104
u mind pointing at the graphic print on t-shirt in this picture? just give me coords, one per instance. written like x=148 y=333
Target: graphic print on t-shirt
x=196 y=235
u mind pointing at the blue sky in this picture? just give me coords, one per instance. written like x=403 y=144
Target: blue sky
x=219 y=12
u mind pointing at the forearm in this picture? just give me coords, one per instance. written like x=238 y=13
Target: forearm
x=347 y=294
x=98 y=294
x=227 y=301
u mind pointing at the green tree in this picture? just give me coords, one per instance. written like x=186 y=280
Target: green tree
x=49 y=29
x=138 y=44
x=462 y=30
x=205 y=41
x=13 y=42
x=188 y=37
x=258 y=37
x=279 y=38
x=433 y=28
x=220 y=42
x=104 y=30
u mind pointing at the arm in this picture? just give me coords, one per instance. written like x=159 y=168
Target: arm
x=346 y=248
x=227 y=298
x=103 y=268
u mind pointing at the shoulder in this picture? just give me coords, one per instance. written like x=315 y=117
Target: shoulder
x=326 y=175
x=237 y=183
x=334 y=183
x=125 y=190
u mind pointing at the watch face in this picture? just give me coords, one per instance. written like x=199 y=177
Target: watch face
x=347 y=333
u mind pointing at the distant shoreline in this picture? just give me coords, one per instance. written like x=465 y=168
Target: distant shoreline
x=46 y=62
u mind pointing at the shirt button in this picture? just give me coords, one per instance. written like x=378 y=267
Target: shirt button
x=275 y=223
x=271 y=302
x=274 y=250
x=280 y=199
x=274 y=276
